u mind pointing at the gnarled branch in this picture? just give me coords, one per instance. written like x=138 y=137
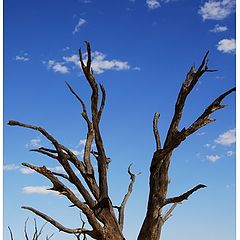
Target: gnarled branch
x=183 y=196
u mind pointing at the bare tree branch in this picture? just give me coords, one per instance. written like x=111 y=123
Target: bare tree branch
x=155 y=130
x=102 y=102
x=11 y=234
x=168 y=213
x=184 y=196
x=25 y=229
x=64 y=190
x=84 y=112
x=57 y=224
x=205 y=117
x=126 y=197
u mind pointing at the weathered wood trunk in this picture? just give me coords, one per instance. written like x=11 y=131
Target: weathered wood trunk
x=152 y=225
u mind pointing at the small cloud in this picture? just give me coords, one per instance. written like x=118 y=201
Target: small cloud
x=56 y=169
x=230 y=153
x=10 y=167
x=43 y=190
x=82 y=142
x=227 y=45
x=227 y=138
x=218 y=28
x=217 y=9
x=66 y=49
x=136 y=68
x=212 y=158
x=80 y=23
x=22 y=57
x=200 y=133
x=86 y=1
x=27 y=171
x=35 y=142
x=153 y=4
x=208 y=145
x=57 y=67
x=100 y=64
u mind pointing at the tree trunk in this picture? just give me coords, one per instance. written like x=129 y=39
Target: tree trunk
x=152 y=225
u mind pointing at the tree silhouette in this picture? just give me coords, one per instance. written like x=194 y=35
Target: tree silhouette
x=97 y=206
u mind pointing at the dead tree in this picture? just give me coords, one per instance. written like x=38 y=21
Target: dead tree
x=97 y=206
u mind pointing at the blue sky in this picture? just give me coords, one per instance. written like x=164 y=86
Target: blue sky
x=142 y=51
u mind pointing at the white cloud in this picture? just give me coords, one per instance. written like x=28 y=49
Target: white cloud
x=31 y=171
x=78 y=153
x=212 y=158
x=10 y=167
x=38 y=190
x=217 y=9
x=23 y=57
x=99 y=62
x=152 y=4
x=227 y=45
x=72 y=59
x=136 y=68
x=43 y=190
x=218 y=28
x=80 y=23
x=56 y=169
x=57 y=67
x=230 y=153
x=82 y=142
x=208 y=145
x=35 y=142
x=26 y=171
x=227 y=138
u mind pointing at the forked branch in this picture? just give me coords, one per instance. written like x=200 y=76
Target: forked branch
x=121 y=209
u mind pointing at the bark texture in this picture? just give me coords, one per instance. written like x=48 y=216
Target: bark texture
x=96 y=204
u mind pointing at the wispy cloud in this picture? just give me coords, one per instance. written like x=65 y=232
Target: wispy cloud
x=200 y=133
x=57 y=67
x=218 y=28
x=43 y=190
x=22 y=57
x=35 y=142
x=213 y=158
x=82 y=142
x=217 y=9
x=227 y=138
x=80 y=23
x=10 y=167
x=86 y=1
x=66 y=49
x=153 y=4
x=227 y=45
x=38 y=190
